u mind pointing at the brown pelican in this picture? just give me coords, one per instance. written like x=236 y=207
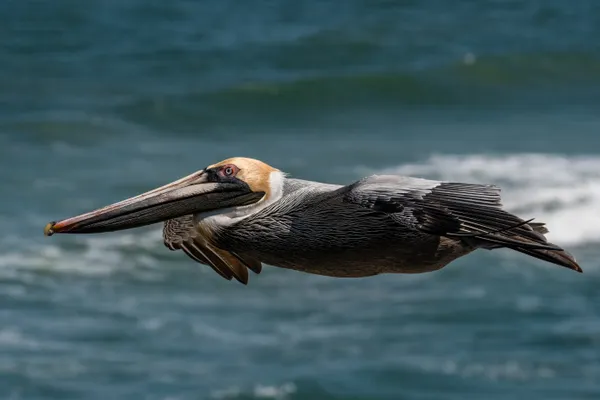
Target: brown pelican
x=240 y=213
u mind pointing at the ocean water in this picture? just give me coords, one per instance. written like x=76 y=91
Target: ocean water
x=100 y=100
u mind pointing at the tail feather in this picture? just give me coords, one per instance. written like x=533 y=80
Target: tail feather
x=558 y=257
x=546 y=251
x=473 y=214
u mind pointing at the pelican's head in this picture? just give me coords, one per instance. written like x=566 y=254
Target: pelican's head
x=234 y=184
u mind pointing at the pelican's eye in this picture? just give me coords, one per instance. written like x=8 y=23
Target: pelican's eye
x=228 y=171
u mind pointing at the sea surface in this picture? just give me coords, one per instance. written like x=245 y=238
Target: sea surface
x=103 y=99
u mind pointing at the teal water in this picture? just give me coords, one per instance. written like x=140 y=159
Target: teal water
x=100 y=100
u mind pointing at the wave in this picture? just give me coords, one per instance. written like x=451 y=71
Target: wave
x=526 y=70
x=562 y=191
x=467 y=79
x=470 y=80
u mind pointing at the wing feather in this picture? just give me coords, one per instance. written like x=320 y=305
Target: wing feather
x=447 y=209
x=181 y=234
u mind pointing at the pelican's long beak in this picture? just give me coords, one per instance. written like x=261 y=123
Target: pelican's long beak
x=189 y=195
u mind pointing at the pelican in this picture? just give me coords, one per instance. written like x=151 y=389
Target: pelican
x=241 y=213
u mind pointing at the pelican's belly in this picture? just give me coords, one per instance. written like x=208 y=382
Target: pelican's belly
x=341 y=240
x=396 y=254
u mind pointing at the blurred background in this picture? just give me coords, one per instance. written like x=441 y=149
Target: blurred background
x=103 y=99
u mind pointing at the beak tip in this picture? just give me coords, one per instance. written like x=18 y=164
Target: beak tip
x=48 y=229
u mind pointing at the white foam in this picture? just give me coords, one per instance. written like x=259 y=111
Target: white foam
x=510 y=370
x=274 y=392
x=562 y=191
x=259 y=392
x=92 y=255
x=14 y=338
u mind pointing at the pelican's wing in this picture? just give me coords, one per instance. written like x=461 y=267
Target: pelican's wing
x=181 y=234
x=448 y=209
x=469 y=212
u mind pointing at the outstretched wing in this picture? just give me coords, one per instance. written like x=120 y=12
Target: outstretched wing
x=459 y=210
x=181 y=234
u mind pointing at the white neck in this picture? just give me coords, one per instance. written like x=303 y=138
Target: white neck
x=227 y=216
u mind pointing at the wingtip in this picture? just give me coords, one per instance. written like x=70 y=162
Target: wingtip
x=241 y=278
x=558 y=257
x=572 y=266
x=565 y=259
